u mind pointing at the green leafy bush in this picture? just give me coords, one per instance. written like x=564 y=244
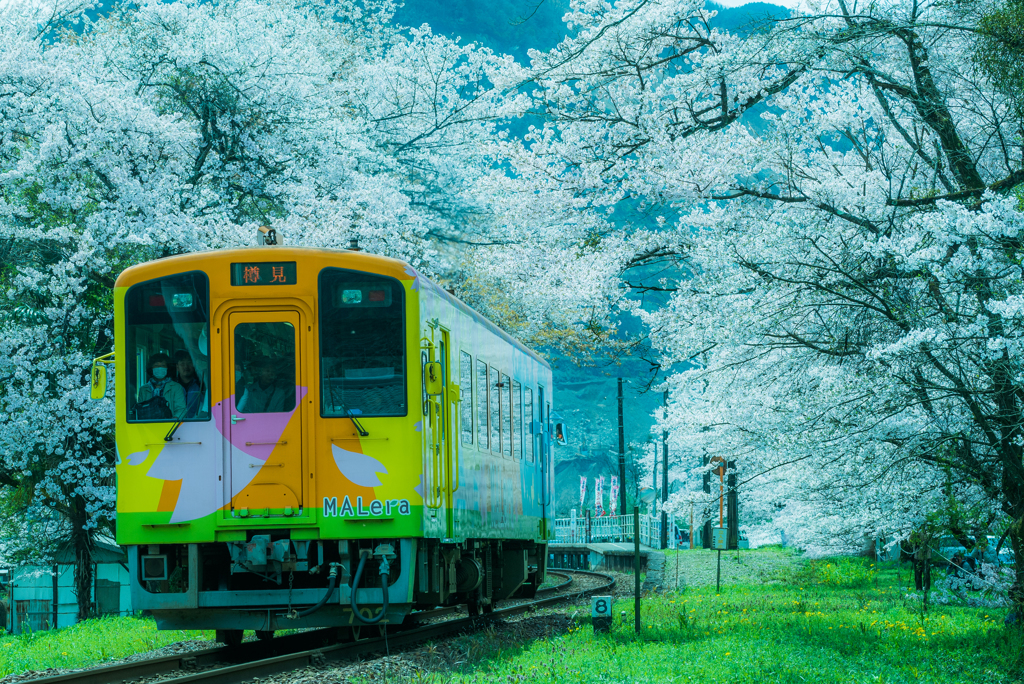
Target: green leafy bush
x=844 y=573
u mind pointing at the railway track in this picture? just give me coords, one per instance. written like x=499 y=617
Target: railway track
x=229 y=665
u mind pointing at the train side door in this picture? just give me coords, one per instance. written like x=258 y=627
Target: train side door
x=265 y=425
x=543 y=449
x=439 y=447
x=448 y=446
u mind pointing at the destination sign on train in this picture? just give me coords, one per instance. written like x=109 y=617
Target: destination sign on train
x=263 y=273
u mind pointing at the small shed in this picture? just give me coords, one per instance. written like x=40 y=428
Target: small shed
x=43 y=597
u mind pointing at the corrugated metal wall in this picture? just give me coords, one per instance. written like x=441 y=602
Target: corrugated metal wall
x=32 y=594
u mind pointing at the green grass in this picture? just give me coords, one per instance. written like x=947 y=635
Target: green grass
x=838 y=620
x=841 y=620
x=86 y=643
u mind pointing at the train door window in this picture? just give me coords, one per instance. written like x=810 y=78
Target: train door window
x=528 y=418
x=495 y=413
x=362 y=344
x=481 y=404
x=443 y=358
x=266 y=354
x=547 y=416
x=168 y=372
x=506 y=415
x=466 y=397
x=517 y=419
x=542 y=447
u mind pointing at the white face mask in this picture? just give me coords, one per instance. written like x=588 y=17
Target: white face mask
x=238 y=375
x=159 y=373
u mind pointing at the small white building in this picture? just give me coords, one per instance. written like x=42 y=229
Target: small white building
x=44 y=597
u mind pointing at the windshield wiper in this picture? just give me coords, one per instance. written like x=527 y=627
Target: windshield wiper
x=351 y=413
x=174 y=428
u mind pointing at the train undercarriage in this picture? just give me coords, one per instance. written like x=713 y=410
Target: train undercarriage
x=271 y=582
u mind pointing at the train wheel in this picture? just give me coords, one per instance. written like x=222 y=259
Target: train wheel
x=264 y=635
x=229 y=637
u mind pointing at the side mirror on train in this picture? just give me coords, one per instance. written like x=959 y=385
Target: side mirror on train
x=98 y=376
x=432 y=378
x=560 y=434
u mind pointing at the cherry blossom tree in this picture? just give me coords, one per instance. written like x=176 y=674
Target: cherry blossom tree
x=171 y=127
x=835 y=198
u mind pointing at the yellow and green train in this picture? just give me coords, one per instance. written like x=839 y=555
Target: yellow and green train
x=312 y=437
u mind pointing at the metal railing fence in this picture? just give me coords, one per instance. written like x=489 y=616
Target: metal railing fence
x=613 y=528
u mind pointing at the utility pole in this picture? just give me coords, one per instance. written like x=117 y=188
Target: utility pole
x=664 y=481
x=733 y=505
x=705 y=535
x=622 y=457
x=654 y=472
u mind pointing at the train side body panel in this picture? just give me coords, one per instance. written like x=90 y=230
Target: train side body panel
x=500 y=492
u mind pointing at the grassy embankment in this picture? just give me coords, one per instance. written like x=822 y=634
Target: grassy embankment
x=840 y=620
x=783 y=621
x=86 y=643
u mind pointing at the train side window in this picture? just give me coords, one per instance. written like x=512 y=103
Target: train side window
x=362 y=344
x=517 y=419
x=481 y=404
x=506 y=416
x=168 y=372
x=528 y=418
x=466 y=397
x=495 y=413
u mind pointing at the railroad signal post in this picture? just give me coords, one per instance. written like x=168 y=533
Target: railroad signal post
x=601 y=613
x=719 y=541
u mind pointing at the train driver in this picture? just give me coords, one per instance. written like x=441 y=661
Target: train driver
x=159 y=384
x=266 y=394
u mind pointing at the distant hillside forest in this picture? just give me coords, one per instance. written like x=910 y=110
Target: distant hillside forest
x=516 y=26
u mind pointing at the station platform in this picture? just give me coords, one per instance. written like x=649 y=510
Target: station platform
x=615 y=556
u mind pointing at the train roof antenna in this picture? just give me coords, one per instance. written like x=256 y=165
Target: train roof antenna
x=353 y=245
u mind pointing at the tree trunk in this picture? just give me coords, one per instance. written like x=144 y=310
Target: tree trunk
x=81 y=540
x=1017 y=588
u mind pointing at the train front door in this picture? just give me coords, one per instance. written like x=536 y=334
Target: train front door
x=264 y=366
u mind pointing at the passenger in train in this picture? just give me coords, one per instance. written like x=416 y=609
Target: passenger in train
x=194 y=388
x=160 y=398
x=266 y=394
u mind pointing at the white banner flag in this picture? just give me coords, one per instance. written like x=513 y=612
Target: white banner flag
x=583 y=490
x=613 y=504
x=599 y=496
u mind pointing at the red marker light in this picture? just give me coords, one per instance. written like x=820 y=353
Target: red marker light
x=157 y=301
x=376 y=295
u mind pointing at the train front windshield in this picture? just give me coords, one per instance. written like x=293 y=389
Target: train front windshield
x=362 y=344
x=168 y=349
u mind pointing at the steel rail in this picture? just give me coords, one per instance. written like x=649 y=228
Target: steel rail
x=290 y=646
x=238 y=674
